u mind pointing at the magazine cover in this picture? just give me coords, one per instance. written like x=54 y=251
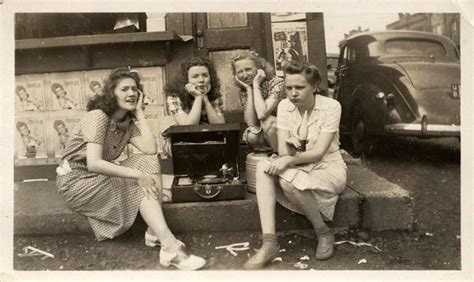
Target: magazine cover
x=30 y=138
x=29 y=94
x=93 y=83
x=61 y=128
x=64 y=91
x=290 y=43
x=153 y=82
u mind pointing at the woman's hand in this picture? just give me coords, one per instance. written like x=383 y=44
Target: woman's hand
x=242 y=84
x=193 y=90
x=148 y=185
x=293 y=141
x=279 y=165
x=140 y=106
x=257 y=80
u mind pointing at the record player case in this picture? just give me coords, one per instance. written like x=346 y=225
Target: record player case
x=205 y=163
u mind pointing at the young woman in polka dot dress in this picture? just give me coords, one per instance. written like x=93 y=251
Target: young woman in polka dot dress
x=109 y=194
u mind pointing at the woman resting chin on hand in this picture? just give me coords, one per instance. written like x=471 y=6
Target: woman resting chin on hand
x=194 y=96
x=110 y=194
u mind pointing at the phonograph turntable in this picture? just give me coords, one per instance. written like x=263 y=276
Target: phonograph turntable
x=205 y=163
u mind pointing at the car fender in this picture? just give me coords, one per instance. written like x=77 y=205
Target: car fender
x=376 y=113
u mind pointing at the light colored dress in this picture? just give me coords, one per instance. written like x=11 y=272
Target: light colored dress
x=325 y=179
x=111 y=204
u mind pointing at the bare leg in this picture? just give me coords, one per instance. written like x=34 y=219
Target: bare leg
x=270 y=132
x=266 y=197
x=310 y=209
x=304 y=202
x=151 y=211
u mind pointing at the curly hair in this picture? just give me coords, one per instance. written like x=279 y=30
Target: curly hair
x=260 y=63
x=93 y=83
x=176 y=87
x=19 y=88
x=54 y=86
x=20 y=124
x=309 y=71
x=57 y=123
x=108 y=101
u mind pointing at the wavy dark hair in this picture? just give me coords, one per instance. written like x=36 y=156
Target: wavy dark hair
x=107 y=102
x=309 y=71
x=176 y=87
x=260 y=63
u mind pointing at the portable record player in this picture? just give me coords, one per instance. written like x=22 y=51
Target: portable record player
x=205 y=163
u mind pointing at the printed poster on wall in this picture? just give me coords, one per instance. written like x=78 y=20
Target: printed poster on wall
x=287 y=17
x=64 y=91
x=290 y=43
x=93 y=83
x=29 y=94
x=30 y=138
x=61 y=128
x=153 y=82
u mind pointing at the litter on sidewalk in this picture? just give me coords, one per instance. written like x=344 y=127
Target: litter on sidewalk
x=32 y=251
x=358 y=244
x=362 y=261
x=235 y=247
x=300 y=265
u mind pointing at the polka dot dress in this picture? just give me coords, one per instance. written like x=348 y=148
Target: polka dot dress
x=110 y=203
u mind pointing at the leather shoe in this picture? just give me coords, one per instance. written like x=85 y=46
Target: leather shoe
x=262 y=256
x=181 y=259
x=325 y=249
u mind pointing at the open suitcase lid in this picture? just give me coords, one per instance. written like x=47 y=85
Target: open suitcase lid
x=202 y=149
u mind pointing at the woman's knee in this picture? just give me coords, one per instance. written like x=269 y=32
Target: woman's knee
x=269 y=125
x=286 y=186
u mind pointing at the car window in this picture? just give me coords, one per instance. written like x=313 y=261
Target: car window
x=412 y=47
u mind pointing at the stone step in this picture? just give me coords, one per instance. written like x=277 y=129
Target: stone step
x=368 y=201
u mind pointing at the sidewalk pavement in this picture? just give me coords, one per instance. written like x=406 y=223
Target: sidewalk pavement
x=368 y=201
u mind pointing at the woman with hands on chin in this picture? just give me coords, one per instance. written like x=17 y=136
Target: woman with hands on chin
x=307 y=182
x=261 y=91
x=108 y=193
x=194 y=96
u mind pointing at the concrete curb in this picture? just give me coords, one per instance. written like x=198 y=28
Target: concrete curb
x=47 y=214
x=386 y=205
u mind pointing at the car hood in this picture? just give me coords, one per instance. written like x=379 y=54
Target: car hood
x=427 y=75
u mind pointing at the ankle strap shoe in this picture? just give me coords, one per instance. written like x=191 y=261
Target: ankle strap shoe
x=181 y=259
x=151 y=240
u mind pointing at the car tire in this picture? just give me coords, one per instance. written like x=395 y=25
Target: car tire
x=361 y=141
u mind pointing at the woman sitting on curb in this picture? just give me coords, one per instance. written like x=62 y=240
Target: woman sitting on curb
x=307 y=182
x=261 y=91
x=109 y=194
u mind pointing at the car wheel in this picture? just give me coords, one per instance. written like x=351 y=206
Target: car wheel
x=362 y=142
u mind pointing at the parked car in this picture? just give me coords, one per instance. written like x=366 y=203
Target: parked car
x=331 y=60
x=398 y=83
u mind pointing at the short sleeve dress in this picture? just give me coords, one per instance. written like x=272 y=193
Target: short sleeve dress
x=325 y=179
x=110 y=203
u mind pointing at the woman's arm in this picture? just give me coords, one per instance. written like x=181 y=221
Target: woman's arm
x=212 y=114
x=250 y=116
x=194 y=115
x=312 y=156
x=146 y=141
x=96 y=164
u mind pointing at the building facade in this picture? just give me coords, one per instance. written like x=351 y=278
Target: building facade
x=443 y=24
